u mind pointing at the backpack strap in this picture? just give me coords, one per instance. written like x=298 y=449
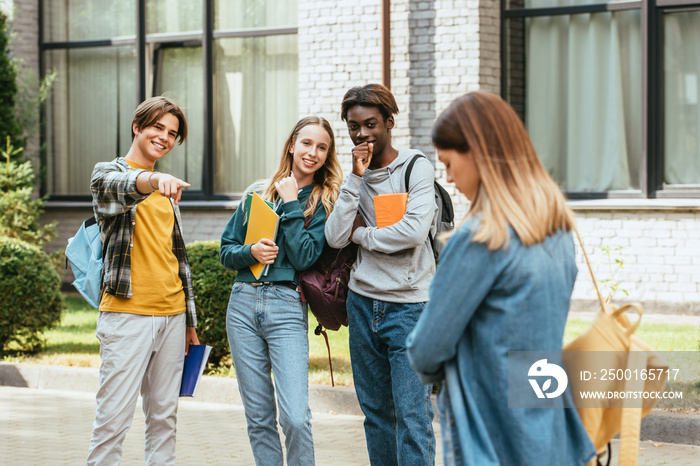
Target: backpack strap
x=91 y=221
x=88 y=223
x=407 y=178
x=409 y=169
x=319 y=330
x=307 y=222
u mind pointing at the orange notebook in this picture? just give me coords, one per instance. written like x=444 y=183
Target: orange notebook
x=262 y=223
x=389 y=208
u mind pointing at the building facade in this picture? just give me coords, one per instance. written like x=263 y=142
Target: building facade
x=608 y=91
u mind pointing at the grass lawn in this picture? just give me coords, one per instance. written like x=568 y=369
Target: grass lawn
x=660 y=336
x=677 y=344
x=73 y=343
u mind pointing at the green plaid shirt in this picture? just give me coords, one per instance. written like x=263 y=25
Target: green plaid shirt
x=114 y=202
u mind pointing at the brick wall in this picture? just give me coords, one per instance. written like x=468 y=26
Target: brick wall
x=660 y=254
x=25 y=17
x=199 y=224
x=440 y=49
x=204 y=224
x=435 y=57
x=25 y=47
x=339 y=47
x=490 y=46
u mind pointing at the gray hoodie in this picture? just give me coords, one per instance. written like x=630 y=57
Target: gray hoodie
x=395 y=263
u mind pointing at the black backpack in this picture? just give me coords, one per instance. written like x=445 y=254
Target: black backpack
x=446 y=212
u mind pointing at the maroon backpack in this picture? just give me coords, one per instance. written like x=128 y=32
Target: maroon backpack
x=324 y=287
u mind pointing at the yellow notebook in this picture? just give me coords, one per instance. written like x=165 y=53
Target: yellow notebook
x=262 y=223
x=389 y=208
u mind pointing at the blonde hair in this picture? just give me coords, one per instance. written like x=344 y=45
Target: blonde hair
x=327 y=179
x=514 y=187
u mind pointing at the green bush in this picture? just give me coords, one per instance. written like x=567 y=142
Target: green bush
x=19 y=211
x=30 y=295
x=212 y=288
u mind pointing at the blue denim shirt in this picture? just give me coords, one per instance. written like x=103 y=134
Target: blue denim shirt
x=482 y=305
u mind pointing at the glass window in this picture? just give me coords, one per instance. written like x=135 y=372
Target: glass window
x=511 y=4
x=253 y=81
x=67 y=20
x=179 y=76
x=239 y=14
x=581 y=80
x=681 y=91
x=255 y=106
x=89 y=113
x=171 y=16
x=578 y=92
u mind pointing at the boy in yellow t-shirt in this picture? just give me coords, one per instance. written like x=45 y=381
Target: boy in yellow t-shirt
x=147 y=316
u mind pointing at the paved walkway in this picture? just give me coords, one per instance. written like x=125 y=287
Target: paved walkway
x=52 y=427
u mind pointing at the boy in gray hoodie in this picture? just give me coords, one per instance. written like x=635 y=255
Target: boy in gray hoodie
x=389 y=281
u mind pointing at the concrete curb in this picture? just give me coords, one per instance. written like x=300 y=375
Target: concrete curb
x=322 y=399
x=659 y=426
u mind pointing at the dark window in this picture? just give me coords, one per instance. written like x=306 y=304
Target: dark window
x=608 y=93
x=230 y=64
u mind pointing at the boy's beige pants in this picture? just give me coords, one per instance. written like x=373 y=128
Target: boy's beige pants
x=139 y=354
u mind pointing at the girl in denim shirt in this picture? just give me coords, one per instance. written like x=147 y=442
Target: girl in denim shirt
x=266 y=320
x=503 y=285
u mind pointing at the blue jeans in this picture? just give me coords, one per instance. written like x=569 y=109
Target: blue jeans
x=267 y=330
x=397 y=407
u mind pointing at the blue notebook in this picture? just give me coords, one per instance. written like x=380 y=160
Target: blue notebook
x=195 y=362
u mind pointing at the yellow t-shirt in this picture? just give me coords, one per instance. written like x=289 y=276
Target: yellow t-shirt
x=155 y=280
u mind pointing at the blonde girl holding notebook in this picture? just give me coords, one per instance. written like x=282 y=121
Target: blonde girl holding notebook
x=266 y=321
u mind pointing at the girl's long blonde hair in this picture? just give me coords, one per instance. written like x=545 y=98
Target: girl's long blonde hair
x=327 y=179
x=515 y=189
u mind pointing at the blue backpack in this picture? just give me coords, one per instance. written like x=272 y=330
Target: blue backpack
x=86 y=259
